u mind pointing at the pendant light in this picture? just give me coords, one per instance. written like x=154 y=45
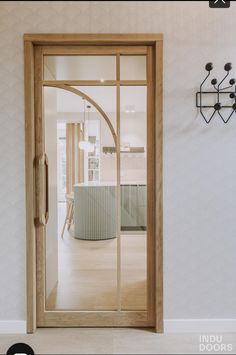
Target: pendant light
x=85 y=144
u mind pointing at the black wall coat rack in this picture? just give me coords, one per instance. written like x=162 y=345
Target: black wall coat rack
x=220 y=93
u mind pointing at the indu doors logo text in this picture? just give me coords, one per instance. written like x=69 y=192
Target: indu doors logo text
x=214 y=343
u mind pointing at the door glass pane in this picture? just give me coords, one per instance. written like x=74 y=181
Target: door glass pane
x=105 y=97
x=133 y=132
x=133 y=67
x=80 y=67
x=97 y=230
x=81 y=267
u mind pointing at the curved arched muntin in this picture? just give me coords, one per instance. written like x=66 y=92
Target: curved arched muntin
x=92 y=102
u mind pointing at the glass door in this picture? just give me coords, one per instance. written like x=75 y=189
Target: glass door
x=95 y=240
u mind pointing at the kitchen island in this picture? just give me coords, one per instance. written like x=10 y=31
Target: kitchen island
x=95 y=213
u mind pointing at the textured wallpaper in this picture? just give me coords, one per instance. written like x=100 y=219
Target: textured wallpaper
x=199 y=160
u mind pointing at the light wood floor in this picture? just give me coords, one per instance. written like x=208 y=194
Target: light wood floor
x=88 y=274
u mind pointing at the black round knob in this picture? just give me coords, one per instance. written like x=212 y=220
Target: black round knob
x=209 y=66
x=232 y=81
x=228 y=66
x=214 y=81
x=232 y=95
x=234 y=106
x=217 y=106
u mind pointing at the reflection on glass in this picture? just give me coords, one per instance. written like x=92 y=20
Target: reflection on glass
x=80 y=68
x=133 y=67
x=133 y=199
x=81 y=243
x=81 y=235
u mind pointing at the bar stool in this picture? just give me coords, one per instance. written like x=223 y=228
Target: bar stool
x=70 y=213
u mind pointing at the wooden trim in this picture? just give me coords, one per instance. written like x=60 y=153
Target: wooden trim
x=95 y=82
x=94 y=50
x=118 y=196
x=88 y=98
x=93 y=38
x=159 y=185
x=39 y=149
x=29 y=183
x=151 y=184
x=31 y=42
x=79 y=82
x=100 y=319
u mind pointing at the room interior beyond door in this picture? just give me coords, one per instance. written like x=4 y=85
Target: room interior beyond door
x=94 y=182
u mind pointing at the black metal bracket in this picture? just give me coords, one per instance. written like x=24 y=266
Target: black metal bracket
x=219 y=93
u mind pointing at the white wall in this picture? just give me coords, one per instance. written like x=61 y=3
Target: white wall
x=199 y=160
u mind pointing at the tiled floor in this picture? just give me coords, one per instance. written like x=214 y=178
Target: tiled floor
x=109 y=341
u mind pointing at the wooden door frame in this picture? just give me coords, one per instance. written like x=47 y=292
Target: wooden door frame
x=31 y=41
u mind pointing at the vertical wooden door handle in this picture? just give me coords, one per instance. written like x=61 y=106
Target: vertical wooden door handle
x=46 y=190
x=42 y=190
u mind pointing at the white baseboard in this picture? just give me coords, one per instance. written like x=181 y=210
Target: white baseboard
x=12 y=327
x=170 y=326
x=200 y=325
